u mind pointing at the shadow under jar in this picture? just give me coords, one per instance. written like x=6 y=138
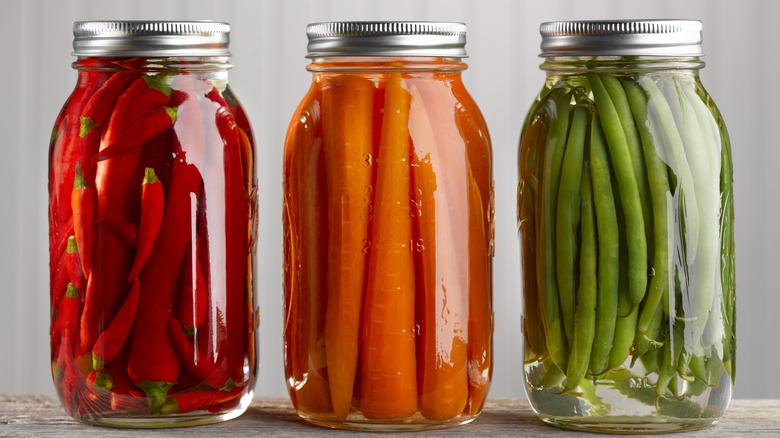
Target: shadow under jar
x=388 y=232
x=626 y=212
x=152 y=222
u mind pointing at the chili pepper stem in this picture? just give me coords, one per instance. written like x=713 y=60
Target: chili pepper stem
x=156 y=394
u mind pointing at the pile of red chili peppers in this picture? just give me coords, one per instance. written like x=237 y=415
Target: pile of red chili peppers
x=152 y=224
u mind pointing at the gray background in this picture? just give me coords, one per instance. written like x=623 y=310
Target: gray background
x=268 y=43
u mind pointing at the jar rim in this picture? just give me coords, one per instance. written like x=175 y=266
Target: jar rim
x=151 y=38
x=386 y=38
x=666 y=38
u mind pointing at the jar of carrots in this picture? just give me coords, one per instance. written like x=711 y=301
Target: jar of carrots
x=152 y=224
x=626 y=216
x=388 y=231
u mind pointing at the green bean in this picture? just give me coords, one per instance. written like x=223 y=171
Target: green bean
x=625 y=325
x=671 y=353
x=661 y=200
x=629 y=193
x=702 y=278
x=608 y=251
x=650 y=361
x=554 y=153
x=714 y=329
x=585 y=313
x=567 y=218
x=675 y=153
x=648 y=341
x=727 y=272
x=620 y=99
x=625 y=328
x=553 y=376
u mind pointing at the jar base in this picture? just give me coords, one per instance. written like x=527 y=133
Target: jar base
x=167 y=421
x=628 y=425
x=415 y=423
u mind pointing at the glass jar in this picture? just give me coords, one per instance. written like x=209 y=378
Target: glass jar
x=626 y=212
x=152 y=218
x=388 y=232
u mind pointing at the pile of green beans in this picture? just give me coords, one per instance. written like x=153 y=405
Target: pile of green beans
x=625 y=210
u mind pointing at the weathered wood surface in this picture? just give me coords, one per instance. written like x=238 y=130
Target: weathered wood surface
x=41 y=416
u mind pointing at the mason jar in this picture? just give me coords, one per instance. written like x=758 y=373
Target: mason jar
x=152 y=218
x=626 y=218
x=388 y=231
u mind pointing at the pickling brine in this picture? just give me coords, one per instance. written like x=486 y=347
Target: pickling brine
x=388 y=242
x=626 y=210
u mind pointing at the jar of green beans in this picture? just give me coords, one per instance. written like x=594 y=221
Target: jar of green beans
x=626 y=219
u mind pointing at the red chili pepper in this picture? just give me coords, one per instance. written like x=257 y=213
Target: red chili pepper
x=73 y=265
x=83 y=205
x=59 y=285
x=152 y=204
x=153 y=364
x=58 y=242
x=119 y=198
x=146 y=128
x=210 y=371
x=99 y=105
x=113 y=338
x=68 y=314
x=69 y=149
x=236 y=241
x=198 y=400
x=124 y=395
x=127 y=231
x=194 y=300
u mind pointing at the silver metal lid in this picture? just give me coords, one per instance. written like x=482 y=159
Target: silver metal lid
x=151 y=38
x=386 y=38
x=622 y=37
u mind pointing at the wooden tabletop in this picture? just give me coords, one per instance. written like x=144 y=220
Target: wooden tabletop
x=42 y=416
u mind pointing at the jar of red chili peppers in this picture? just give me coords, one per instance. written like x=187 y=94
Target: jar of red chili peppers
x=152 y=224
x=388 y=231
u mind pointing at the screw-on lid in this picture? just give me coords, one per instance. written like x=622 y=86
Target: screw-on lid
x=386 y=38
x=622 y=37
x=151 y=38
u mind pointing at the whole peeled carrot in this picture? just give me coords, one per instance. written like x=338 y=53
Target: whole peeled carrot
x=388 y=362
x=307 y=247
x=480 y=354
x=442 y=369
x=152 y=204
x=348 y=137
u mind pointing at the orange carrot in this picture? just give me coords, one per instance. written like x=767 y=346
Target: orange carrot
x=304 y=213
x=480 y=355
x=347 y=105
x=388 y=362
x=442 y=369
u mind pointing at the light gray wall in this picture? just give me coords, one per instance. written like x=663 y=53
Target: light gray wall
x=268 y=42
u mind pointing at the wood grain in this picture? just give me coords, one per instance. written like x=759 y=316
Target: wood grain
x=42 y=416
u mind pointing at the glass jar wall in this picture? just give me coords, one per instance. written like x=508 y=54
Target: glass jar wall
x=388 y=235
x=152 y=215
x=625 y=211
